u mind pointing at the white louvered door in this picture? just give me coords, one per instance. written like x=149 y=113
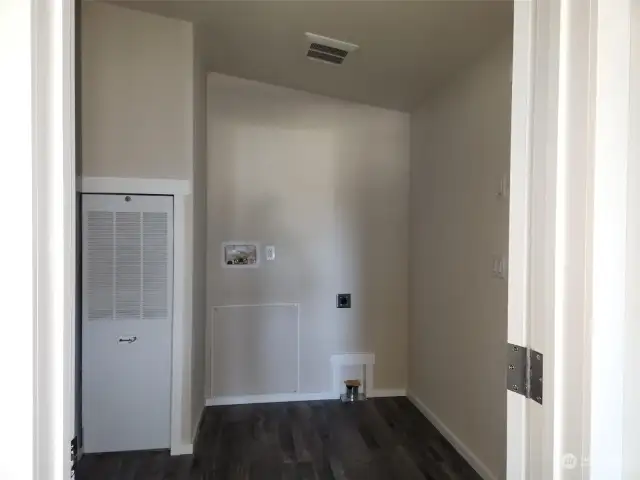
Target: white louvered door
x=127 y=292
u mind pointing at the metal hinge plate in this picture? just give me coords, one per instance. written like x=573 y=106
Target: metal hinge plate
x=524 y=372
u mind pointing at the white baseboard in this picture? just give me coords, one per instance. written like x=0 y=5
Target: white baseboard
x=294 y=397
x=184 y=449
x=387 y=392
x=462 y=449
x=274 y=398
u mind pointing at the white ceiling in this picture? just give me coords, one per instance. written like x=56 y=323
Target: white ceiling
x=406 y=47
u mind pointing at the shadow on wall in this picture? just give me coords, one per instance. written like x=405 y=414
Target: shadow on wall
x=327 y=185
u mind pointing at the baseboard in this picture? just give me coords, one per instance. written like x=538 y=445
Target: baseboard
x=462 y=449
x=183 y=449
x=199 y=424
x=294 y=397
x=387 y=392
x=275 y=398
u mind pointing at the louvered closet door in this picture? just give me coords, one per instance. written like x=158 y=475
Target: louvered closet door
x=127 y=286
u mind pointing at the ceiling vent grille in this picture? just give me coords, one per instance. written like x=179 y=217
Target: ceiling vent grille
x=328 y=50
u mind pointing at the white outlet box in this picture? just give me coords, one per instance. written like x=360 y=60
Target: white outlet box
x=270 y=252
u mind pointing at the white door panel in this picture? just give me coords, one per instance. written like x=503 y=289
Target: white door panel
x=127 y=290
x=126 y=387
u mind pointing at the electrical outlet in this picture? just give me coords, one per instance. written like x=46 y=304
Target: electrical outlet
x=343 y=300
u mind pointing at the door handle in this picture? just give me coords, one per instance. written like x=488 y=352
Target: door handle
x=127 y=339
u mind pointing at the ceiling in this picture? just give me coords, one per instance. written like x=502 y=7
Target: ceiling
x=406 y=47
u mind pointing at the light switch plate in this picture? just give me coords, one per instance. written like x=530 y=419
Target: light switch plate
x=270 y=252
x=503 y=189
x=499 y=267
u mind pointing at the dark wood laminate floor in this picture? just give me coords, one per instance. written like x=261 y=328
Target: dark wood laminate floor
x=380 y=439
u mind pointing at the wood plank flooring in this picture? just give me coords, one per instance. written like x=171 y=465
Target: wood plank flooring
x=379 y=439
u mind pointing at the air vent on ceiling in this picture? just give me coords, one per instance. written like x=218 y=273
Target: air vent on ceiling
x=328 y=50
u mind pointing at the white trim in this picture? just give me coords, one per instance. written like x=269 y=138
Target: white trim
x=611 y=159
x=139 y=186
x=178 y=189
x=462 y=449
x=183 y=449
x=187 y=448
x=519 y=224
x=44 y=323
x=294 y=397
x=196 y=428
x=177 y=342
x=273 y=398
x=298 y=347
x=353 y=359
x=387 y=392
x=258 y=305
x=367 y=360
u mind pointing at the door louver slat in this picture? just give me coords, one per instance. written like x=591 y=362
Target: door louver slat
x=154 y=285
x=127 y=265
x=99 y=268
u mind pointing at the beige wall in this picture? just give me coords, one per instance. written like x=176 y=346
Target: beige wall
x=199 y=294
x=136 y=107
x=326 y=182
x=460 y=147
x=138 y=121
x=137 y=118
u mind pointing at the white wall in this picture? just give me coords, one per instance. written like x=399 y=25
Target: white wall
x=460 y=147
x=18 y=360
x=137 y=121
x=631 y=412
x=326 y=182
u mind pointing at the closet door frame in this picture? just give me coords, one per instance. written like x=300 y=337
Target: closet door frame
x=181 y=444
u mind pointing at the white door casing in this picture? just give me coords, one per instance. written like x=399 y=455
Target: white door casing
x=569 y=300
x=127 y=322
x=533 y=241
x=545 y=216
x=519 y=224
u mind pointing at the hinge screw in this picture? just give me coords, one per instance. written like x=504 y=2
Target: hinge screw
x=539 y=399
x=515 y=388
x=515 y=349
x=538 y=357
x=512 y=367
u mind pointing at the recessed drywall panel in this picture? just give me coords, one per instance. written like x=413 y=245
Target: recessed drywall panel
x=137 y=79
x=255 y=350
x=326 y=183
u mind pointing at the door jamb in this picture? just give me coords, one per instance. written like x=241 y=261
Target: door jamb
x=519 y=223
